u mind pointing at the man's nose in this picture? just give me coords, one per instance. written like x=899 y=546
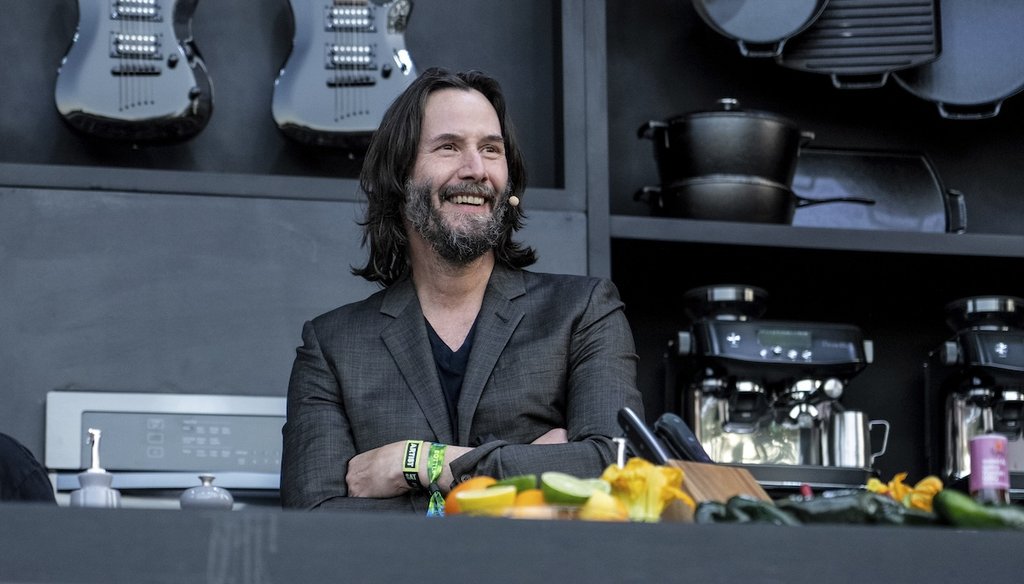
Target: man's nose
x=472 y=165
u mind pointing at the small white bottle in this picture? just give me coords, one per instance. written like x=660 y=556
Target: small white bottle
x=96 y=490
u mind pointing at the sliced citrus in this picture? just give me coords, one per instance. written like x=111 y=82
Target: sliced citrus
x=451 y=506
x=520 y=482
x=599 y=485
x=530 y=498
x=488 y=501
x=564 y=489
x=603 y=507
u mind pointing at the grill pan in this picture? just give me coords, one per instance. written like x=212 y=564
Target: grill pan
x=860 y=42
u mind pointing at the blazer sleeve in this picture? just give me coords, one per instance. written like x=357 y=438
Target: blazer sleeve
x=317 y=439
x=601 y=379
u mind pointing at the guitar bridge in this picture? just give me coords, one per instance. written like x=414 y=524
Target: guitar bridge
x=136 y=69
x=351 y=80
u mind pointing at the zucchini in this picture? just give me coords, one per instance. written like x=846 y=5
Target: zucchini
x=957 y=509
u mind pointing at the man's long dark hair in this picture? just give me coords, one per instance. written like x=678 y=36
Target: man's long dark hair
x=389 y=162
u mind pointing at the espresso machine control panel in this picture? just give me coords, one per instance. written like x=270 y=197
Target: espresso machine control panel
x=773 y=351
x=994 y=350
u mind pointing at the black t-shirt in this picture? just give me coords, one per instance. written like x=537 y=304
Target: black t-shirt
x=451 y=369
x=22 y=476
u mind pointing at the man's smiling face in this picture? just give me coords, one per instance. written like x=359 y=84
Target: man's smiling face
x=456 y=196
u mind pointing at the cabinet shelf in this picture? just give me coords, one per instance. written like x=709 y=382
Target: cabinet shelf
x=817 y=238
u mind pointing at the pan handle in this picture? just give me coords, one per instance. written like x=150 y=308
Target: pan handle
x=760 y=50
x=802 y=202
x=979 y=111
x=871 y=81
x=647 y=129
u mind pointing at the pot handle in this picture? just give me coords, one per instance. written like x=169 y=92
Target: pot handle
x=646 y=130
x=869 y=81
x=956 y=212
x=802 y=202
x=645 y=193
x=760 y=50
x=806 y=137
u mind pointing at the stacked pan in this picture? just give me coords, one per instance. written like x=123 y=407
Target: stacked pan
x=963 y=55
x=727 y=164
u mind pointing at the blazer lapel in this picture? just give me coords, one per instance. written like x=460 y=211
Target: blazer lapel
x=498 y=318
x=406 y=340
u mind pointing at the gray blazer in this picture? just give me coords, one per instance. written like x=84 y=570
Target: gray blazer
x=549 y=351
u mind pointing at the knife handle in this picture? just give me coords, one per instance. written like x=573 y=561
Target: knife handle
x=643 y=441
x=679 y=438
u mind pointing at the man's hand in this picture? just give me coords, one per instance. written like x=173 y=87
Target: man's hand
x=377 y=473
x=553 y=436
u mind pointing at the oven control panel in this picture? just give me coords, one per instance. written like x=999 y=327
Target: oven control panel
x=162 y=440
x=140 y=441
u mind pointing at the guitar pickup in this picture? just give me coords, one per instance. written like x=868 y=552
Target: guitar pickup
x=352 y=80
x=350 y=57
x=352 y=18
x=135 y=46
x=135 y=10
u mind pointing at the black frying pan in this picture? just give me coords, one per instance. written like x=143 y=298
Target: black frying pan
x=982 y=59
x=759 y=27
x=731 y=198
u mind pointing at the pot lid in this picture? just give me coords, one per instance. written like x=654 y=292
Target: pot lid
x=729 y=107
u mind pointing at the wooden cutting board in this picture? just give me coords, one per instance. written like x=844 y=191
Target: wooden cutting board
x=713 y=482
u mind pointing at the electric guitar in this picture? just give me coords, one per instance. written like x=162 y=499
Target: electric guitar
x=133 y=73
x=347 y=63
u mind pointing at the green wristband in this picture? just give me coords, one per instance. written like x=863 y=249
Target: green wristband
x=435 y=466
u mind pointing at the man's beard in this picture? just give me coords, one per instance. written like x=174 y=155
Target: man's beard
x=461 y=244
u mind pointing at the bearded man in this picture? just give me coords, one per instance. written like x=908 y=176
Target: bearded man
x=465 y=363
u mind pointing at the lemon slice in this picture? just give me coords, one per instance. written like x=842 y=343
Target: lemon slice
x=489 y=501
x=564 y=489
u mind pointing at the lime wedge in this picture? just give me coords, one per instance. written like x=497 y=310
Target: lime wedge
x=564 y=489
x=520 y=482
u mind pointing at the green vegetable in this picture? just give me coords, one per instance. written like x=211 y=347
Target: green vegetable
x=759 y=511
x=854 y=506
x=959 y=510
x=712 y=512
x=742 y=509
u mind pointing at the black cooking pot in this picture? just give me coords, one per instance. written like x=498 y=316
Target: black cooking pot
x=726 y=141
x=731 y=198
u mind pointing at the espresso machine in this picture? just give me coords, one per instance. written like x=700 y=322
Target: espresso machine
x=767 y=394
x=974 y=384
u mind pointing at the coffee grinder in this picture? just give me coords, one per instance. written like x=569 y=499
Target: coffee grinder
x=766 y=394
x=974 y=384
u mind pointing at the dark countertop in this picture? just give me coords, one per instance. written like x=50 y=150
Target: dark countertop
x=42 y=543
